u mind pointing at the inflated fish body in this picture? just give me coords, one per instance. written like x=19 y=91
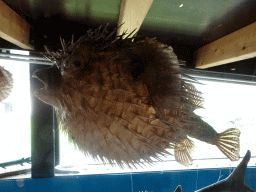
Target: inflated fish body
x=6 y=83
x=122 y=100
x=107 y=113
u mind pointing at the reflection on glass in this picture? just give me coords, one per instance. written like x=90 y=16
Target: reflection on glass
x=227 y=105
x=15 y=116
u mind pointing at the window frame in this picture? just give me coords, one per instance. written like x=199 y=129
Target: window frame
x=44 y=150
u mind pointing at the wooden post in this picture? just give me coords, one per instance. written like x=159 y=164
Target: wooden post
x=13 y=27
x=236 y=46
x=132 y=14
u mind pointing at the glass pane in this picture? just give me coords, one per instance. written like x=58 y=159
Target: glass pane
x=15 y=116
x=227 y=105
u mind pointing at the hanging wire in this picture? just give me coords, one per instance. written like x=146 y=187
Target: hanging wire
x=23 y=58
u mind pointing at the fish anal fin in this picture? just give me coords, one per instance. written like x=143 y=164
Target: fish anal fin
x=183 y=151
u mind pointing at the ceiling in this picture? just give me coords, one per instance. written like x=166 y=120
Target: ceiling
x=184 y=24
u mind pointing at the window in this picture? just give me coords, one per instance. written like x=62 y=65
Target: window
x=229 y=102
x=15 y=116
x=16 y=125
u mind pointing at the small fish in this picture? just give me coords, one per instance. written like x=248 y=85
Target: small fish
x=125 y=100
x=6 y=83
x=233 y=183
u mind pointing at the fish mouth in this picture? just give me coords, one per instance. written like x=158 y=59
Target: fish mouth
x=42 y=93
x=42 y=90
x=51 y=79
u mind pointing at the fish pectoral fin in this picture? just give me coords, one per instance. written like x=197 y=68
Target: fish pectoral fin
x=229 y=143
x=183 y=152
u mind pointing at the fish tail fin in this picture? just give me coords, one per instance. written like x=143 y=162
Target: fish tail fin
x=229 y=143
x=183 y=151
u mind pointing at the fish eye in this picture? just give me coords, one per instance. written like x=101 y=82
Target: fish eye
x=77 y=63
x=74 y=62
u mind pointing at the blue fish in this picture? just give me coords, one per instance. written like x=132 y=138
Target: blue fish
x=234 y=183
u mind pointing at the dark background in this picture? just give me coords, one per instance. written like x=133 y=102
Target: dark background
x=186 y=29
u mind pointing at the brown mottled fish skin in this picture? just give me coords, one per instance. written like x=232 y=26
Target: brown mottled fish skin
x=6 y=83
x=120 y=100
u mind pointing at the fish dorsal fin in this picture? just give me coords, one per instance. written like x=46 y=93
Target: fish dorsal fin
x=238 y=174
x=178 y=189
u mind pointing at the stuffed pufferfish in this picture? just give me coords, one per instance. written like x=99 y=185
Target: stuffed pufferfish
x=126 y=101
x=6 y=83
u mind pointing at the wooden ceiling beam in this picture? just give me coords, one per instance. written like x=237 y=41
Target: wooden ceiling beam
x=239 y=45
x=132 y=14
x=13 y=27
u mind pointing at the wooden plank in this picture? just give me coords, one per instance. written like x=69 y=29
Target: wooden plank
x=13 y=27
x=132 y=14
x=236 y=46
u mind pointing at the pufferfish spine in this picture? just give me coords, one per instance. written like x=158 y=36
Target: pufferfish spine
x=6 y=83
x=121 y=101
